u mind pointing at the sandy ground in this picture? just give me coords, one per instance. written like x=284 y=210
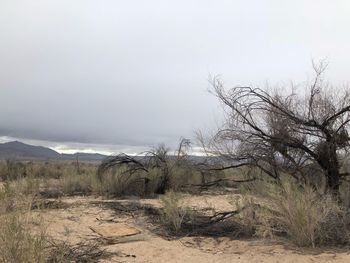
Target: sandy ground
x=74 y=220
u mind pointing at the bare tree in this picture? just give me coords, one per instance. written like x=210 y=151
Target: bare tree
x=158 y=158
x=284 y=131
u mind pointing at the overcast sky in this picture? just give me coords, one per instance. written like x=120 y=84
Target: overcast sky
x=112 y=75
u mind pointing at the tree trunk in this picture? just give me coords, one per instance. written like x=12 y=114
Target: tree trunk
x=328 y=160
x=333 y=182
x=203 y=177
x=164 y=181
x=333 y=174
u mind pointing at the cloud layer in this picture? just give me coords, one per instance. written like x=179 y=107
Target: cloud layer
x=135 y=72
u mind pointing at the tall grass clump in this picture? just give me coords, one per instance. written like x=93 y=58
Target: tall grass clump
x=118 y=182
x=12 y=170
x=174 y=211
x=18 y=241
x=246 y=219
x=302 y=214
x=77 y=184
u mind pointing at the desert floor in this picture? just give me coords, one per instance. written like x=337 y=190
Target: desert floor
x=128 y=234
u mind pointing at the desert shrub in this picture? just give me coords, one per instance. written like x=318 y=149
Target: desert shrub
x=75 y=184
x=8 y=199
x=63 y=178
x=12 y=170
x=28 y=186
x=246 y=221
x=47 y=171
x=118 y=182
x=152 y=176
x=182 y=176
x=3 y=171
x=17 y=195
x=345 y=194
x=154 y=171
x=18 y=241
x=174 y=211
x=302 y=214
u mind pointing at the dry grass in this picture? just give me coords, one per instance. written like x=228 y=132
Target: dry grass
x=23 y=237
x=66 y=178
x=174 y=211
x=18 y=241
x=83 y=252
x=299 y=213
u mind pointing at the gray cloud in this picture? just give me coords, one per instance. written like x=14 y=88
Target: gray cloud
x=135 y=72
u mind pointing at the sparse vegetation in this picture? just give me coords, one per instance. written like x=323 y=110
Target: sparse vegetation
x=174 y=211
x=23 y=236
x=153 y=172
x=300 y=213
x=18 y=242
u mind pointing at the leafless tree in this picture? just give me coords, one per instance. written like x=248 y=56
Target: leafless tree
x=284 y=131
x=158 y=158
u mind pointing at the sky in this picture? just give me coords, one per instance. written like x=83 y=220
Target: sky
x=112 y=75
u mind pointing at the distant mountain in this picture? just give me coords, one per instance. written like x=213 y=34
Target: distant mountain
x=19 y=150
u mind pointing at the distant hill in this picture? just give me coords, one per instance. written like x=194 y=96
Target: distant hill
x=19 y=150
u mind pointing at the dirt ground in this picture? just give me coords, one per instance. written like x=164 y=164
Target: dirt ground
x=77 y=219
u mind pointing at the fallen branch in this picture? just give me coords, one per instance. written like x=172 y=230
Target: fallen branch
x=217 y=182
